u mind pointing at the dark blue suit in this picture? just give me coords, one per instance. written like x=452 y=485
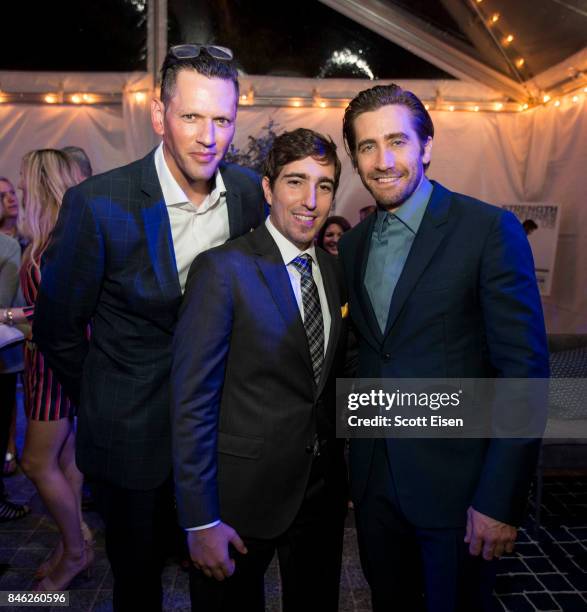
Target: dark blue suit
x=111 y=261
x=465 y=306
x=246 y=412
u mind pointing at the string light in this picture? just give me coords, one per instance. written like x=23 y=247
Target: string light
x=316 y=100
x=506 y=40
x=249 y=97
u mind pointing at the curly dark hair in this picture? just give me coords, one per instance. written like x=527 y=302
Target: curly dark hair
x=298 y=144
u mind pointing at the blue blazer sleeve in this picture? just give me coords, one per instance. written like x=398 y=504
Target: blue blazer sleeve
x=72 y=269
x=200 y=349
x=516 y=338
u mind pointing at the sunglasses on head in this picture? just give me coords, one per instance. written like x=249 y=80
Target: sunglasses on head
x=192 y=50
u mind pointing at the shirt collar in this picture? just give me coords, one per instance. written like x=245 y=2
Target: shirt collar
x=288 y=250
x=411 y=212
x=173 y=194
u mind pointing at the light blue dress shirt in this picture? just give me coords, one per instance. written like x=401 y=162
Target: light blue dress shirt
x=391 y=241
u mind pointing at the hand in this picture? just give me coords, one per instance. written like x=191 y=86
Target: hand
x=486 y=534
x=209 y=550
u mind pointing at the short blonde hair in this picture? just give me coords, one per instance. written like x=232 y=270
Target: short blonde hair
x=46 y=175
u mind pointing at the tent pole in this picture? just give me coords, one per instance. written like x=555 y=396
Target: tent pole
x=156 y=36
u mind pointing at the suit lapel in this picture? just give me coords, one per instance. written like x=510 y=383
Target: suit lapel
x=431 y=233
x=235 y=212
x=273 y=269
x=366 y=319
x=238 y=224
x=333 y=298
x=158 y=231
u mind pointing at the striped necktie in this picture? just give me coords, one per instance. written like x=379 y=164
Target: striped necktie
x=313 y=321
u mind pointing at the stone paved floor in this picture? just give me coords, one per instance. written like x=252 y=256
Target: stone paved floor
x=548 y=573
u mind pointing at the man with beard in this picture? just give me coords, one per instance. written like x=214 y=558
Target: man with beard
x=440 y=285
x=119 y=257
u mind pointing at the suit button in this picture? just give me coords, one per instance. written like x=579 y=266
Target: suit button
x=386 y=357
x=309 y=449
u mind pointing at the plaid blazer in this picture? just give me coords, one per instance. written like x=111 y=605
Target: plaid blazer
x=111 y=261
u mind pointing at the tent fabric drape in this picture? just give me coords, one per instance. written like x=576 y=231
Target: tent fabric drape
x=538 y=155
x=136 y=112
x=97 y=129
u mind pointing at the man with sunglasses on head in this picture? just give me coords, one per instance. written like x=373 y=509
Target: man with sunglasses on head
x=119 y=258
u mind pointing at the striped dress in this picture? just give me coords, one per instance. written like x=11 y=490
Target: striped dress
x=45 y=399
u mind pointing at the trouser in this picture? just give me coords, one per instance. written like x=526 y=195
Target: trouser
x=309 y=554
x=411 y=568
x=139 y=525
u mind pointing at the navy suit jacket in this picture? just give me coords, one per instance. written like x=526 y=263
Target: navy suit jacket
x=465 y=306
x=111 y=261
x=245 y=407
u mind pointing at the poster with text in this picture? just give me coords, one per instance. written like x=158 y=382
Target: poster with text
x=541 y=223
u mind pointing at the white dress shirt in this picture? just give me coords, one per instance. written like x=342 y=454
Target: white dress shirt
x=289 y=252
x=194 y=229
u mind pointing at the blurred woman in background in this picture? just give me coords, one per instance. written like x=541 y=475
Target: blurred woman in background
x=11 y=361
x=49 y=452
x=9 y=211
x=331 y=233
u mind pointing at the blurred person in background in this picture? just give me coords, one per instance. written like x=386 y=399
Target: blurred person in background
x=48 y=456
x=80 y=157
x=366 y=211
x=11 y=362
x=9 y=210
x=331 y=233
